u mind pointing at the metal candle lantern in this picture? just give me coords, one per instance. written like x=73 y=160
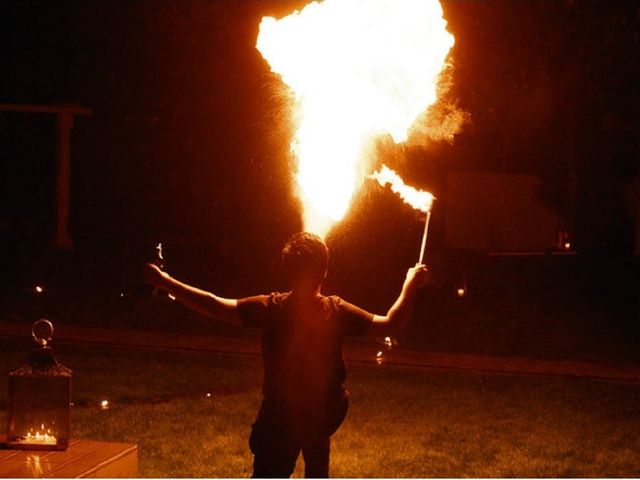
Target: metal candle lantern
x=39 y=396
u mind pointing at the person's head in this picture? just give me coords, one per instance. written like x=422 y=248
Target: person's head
x=304 y=260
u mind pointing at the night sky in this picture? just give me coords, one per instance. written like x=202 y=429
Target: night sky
x=188 y=142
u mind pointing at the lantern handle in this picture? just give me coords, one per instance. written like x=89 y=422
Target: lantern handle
x=42 y=332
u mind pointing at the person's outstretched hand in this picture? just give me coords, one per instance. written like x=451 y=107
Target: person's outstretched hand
x=416 y=277
x=152 y=275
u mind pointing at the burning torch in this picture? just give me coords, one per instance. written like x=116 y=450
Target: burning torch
x=418 y=199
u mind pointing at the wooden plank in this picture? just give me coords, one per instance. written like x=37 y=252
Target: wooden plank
x=106 y=452
x=113 y=460
x=34 y=466
x=83 y=458
x=6 y=454
x=77 y=450
x=125 y=465
x=29 y=463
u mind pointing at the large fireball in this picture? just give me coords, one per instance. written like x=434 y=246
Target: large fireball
x=357 y=68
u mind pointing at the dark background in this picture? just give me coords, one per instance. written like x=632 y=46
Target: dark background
x=188 y=145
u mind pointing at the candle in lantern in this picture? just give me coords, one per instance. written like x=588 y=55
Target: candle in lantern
x=41 y=436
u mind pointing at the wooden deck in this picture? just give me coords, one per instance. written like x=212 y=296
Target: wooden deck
x=83 y=459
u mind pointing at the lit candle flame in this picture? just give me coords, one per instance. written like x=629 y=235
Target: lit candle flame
x=358 y=69
x=42 y=436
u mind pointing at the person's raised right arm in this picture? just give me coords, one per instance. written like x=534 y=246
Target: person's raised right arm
x=400 y=312
x=225 y=309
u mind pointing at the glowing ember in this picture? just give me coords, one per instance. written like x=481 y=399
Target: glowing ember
x=357 y=68
x=171 y=297
x=461 y=292
x=380 y=357
x=104 y=404
x=39 y=289
x=418 y=199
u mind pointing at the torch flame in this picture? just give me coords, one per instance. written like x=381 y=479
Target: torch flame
x=418 y=199
x=357 y=69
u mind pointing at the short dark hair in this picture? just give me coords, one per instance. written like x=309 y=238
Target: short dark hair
x=305 y=254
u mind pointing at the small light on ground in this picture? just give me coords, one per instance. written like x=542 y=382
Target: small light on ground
x=208 y=395
x=567 y=245
x=462 y=292
x=171 y=296
x=380 y=358
x=121 y=295
x=39 y=289
x=104 y=404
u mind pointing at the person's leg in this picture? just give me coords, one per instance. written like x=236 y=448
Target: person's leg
x=316 y=458
x=273 y=455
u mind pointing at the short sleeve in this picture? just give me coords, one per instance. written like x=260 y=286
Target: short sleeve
x=254 y=311
x=354 y=320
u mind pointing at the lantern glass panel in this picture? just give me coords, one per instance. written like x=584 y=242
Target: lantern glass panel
x=39 y=411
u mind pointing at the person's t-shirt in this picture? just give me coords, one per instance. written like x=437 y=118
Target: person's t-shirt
x=302 y=346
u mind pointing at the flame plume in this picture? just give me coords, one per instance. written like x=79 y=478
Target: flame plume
x=357 y=68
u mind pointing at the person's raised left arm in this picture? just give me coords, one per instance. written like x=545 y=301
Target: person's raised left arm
x=400 y=312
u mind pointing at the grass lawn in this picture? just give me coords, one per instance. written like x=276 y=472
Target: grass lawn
x=402 y=422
